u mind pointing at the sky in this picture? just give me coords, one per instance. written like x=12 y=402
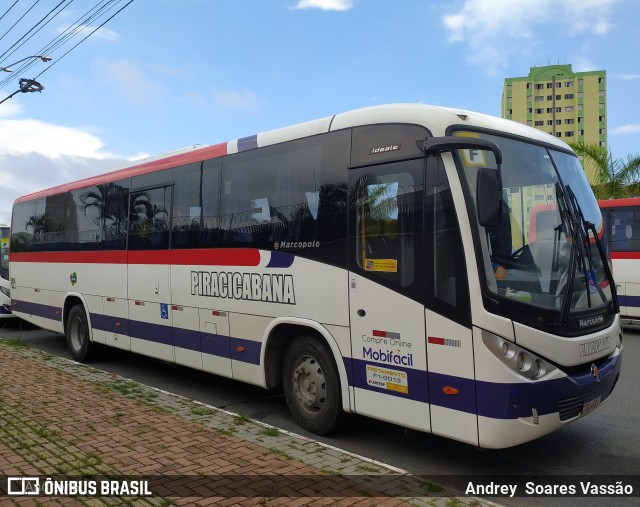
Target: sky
x=166 y=74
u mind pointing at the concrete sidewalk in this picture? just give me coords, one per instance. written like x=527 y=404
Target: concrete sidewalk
x=65 y=420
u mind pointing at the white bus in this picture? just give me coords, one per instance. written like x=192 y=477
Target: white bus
x=622 y=221
x=371 y=262
x=5 y=289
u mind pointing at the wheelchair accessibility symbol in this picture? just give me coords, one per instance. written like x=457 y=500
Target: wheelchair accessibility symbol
x=164 y=311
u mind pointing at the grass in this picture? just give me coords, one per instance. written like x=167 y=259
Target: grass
x=16 y=342
x=432 y=487
x=241 y=418
x=368 y=469
x=202 y=411
x=270 y=432
x=280 y=452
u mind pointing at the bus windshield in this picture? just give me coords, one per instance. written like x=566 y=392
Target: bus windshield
x=547 y=248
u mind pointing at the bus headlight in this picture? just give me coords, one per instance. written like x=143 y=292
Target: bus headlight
x=519 y=360
x=6 y=291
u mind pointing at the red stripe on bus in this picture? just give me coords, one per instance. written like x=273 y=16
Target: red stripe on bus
x=208 y=257
x=99 y=257
x=216 y=257
x=616 y=203
x=625 y=255
x=436 y=341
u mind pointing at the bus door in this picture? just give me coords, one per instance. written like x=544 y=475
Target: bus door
x=389 y=363
x=148 y=283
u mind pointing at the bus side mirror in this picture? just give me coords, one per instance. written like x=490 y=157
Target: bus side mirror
x=489 y=197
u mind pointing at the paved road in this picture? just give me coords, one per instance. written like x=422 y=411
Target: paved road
x=607 y=442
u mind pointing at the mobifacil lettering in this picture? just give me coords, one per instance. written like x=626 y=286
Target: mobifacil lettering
x=248 y=286
x=387 y=356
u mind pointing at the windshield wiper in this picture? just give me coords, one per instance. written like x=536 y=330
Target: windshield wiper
x=605 y=264
x=585 y=251
x=567 y=218
x=585 y=227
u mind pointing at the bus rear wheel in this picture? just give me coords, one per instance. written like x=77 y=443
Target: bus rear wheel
x=78 y=342
x=311 y=386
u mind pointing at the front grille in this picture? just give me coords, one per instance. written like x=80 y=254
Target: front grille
x=572 y=407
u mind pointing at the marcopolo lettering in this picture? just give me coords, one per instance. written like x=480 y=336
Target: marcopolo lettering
x=387 y=356
x=248 y=286
x=592 y=321
x=595 y=346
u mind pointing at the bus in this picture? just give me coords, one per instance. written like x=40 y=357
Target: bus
x=369 y=262
x=5 y=288
x=622 y=221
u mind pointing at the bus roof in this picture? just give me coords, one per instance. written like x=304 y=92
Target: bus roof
x=617 y=203
x=437 y=119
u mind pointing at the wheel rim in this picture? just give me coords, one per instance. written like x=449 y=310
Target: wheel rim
x=76 y=333
x=309 y=384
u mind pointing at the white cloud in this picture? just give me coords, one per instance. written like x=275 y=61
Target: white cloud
x=10 y=108
x=53 y=141
x=325 y=5
x=232 y=99
x=35 y=155
x=632 y=128
x=133 y=82
x=627 y=77
x=84 y=30
x=496 y=30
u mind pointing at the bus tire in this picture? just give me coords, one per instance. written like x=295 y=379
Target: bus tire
x=311 y=386
x=78 y=342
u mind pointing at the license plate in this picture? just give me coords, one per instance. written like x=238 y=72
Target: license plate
x=588 y=406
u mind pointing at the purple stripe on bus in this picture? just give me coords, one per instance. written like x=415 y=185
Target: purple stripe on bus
x=110 y=324
x=280 y=260
x=499 y=400
x=248 y=143
x=155 y=333
x=250 y=353
x=215 y=345
x=188 y=339
x=46 y=311
x=494 y=400
x=629 y=301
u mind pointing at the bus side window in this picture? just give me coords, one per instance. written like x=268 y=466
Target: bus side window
x=386 y=206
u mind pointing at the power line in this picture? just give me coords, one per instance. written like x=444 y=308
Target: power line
x=20 y=19
x=24 y=67
x=86 y=37
x=32 y=29
x=98 y=11
x=9 y=9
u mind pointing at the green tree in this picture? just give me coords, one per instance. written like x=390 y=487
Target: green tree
x=614 y=178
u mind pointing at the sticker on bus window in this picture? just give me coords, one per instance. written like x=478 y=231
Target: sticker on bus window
x=472 y=157
x=382 y=265
x=385 y=378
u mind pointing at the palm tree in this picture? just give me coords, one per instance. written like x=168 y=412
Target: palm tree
x=615 y=178
x=109 y=199
x=37 y=224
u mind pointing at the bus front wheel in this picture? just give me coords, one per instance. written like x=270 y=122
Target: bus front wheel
x=78 y=341
x=311 y=386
